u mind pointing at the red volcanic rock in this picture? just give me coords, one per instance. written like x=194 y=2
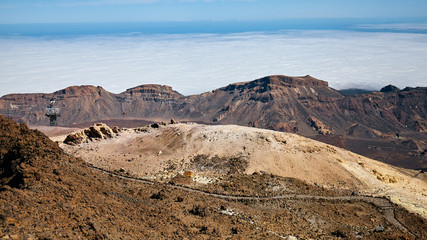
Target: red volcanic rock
x=150 y=102
x=298 y=81
x=269 y=102
x=83 y=90
x=305 y=105
x=275 y=82
x=153 y=91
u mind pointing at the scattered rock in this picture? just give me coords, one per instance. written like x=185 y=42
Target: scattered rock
x=338 y=233
x=159 y=196
x=140 y=129
x=203 y=230
x=116 y=129
x=199 y=211
x=189 y=174
x=179 y=199
x=181 y=179
x=14 y=237
x=379 y=228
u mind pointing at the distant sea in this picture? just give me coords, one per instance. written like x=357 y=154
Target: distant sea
x=411 y=25
x=194 y=57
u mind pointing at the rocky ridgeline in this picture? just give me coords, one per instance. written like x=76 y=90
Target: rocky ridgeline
x=303 y=105
x=276 y=102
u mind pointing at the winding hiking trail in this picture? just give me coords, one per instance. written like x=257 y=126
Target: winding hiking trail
x=384 y=204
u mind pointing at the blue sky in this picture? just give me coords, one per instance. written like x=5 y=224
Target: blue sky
x=60 y=11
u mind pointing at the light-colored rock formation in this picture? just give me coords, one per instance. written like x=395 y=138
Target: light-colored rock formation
x=97 y=131
x=212 y=151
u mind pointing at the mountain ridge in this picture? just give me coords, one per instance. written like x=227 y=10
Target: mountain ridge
x=303 y=105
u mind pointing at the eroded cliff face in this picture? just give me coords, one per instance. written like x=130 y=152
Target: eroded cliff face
x=303 y=105
x=77 y=104
x=150 y=101
x=275 y=102
x=388 y=111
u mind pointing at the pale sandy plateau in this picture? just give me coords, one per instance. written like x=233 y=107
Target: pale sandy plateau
x=161 y=153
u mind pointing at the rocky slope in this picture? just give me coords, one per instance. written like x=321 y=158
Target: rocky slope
x=303 y=105
x=46 y=194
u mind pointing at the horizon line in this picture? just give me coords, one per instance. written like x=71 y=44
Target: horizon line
x=417 y=19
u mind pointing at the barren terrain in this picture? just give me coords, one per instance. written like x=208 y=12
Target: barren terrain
x=211 y=152
x=46 y=194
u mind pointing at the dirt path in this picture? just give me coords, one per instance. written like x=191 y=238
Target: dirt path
x=384 y=204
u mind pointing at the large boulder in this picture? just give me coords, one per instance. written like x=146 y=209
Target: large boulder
x=97 y=131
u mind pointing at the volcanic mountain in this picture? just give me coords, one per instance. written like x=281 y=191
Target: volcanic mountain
x=389 y=125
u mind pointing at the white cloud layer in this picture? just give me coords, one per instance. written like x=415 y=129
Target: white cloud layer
x=193 y=64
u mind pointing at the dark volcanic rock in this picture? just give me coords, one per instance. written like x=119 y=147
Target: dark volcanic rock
x=389 y=88
x=354 y=91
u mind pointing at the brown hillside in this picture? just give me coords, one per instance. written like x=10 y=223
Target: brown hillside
x=302 y=105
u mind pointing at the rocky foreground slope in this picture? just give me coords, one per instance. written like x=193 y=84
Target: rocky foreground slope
x=391 y=123
x=46 y=194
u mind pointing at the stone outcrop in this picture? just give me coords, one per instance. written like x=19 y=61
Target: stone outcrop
x=97 y=131
x=320 y=127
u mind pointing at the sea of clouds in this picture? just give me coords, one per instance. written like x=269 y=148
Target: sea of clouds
x=196 y=63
